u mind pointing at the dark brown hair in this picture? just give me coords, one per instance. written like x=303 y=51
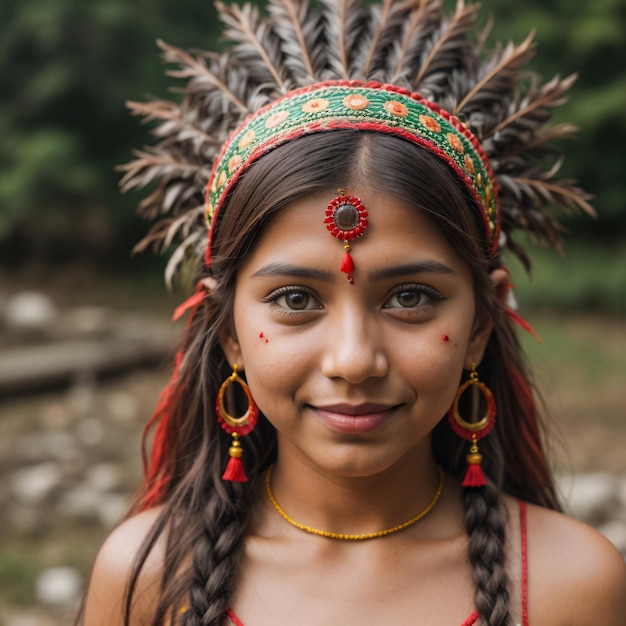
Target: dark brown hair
x=209 y=517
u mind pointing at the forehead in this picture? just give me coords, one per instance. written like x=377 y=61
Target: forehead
x=396 y=233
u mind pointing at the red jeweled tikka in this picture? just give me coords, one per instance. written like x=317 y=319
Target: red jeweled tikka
x=346 y=219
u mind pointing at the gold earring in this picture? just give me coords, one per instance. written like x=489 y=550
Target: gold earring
x=473 y=431
x=236 y=426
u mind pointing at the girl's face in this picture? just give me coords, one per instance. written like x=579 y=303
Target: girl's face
x=354 y=376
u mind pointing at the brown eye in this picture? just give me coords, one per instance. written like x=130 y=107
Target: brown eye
x=294 y=298
x=408 y=298
x=412 y=297
x=297 y=300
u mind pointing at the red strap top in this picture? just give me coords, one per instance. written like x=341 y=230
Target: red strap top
x=473 y=618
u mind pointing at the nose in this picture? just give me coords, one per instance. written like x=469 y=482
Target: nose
x=353 y=348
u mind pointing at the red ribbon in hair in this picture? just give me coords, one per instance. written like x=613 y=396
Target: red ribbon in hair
x=158 y=471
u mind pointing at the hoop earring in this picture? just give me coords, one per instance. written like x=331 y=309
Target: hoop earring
x=473 y=431
x=236 y=426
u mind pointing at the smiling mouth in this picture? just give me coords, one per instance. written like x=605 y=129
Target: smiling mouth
x=355 y=419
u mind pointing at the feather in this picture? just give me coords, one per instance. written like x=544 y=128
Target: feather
x=382 y=27
x=184 y=224
x=538 y=103
x=423 y=20
x=176 y=124
x=153 y=164
x=499 y=74
x=183 y=251
x=562 y=192
x=256 y=45
x=381 y=16
x=196 y=69
x=344 y=23
x=541 y=139
x=297 y=35
x=449 y=46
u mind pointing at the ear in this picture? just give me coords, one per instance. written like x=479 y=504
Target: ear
x=483 y=324
x=232 y=350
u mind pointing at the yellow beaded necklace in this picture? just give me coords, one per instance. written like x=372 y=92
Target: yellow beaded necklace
x=360 y=537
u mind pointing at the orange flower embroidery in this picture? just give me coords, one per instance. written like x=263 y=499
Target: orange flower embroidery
x=313 y=106
x=469 y=164
x=246 y=140
x=430 y=123
x=234 y=163
x=275 y=119
x=488 y=193
x=396 y=108
x=455 y=142
x=222 y=179
x=356 y=102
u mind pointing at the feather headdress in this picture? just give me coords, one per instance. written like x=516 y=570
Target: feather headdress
x=412 y=44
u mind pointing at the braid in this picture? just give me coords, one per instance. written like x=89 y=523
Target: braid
x=486 y=529
x=215 y=559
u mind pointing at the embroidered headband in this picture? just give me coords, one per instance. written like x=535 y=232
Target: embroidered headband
x=371 y=106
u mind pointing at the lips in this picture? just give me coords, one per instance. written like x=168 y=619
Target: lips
x=355 y=419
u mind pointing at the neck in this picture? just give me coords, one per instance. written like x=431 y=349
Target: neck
x=337 y=501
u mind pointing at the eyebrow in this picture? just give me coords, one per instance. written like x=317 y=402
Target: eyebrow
x=421 y=267
x=385 y=273
x=296 y=271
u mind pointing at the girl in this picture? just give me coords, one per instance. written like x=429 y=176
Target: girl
x=350 y=434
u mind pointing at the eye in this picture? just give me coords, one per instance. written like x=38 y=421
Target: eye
x=412 y=296
x=294 y=298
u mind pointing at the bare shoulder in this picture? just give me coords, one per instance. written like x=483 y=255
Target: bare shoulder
x=112 y=569
x=575 y=575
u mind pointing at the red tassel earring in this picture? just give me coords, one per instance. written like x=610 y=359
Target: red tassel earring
x=346 y=218
x=236 y=426
x=473 y=431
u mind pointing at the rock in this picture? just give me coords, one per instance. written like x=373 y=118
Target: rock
x=90 y=431
x=60 y=586
x=55 y=415
x=60 y=446
x=122 y=407
x=82 y=502
x=31 y=485
x=592 y=498
x=90 y=504
x=30 y=311
x=103 y=477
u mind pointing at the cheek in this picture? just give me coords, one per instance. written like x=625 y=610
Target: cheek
x=274 y=366
x=435 y=365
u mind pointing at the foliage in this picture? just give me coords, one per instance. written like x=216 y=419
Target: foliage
x=66 y=69
x=67 y=66
x=590 y=277
x=575 y=36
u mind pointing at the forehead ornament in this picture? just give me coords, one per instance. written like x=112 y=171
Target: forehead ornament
x=346 y=219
